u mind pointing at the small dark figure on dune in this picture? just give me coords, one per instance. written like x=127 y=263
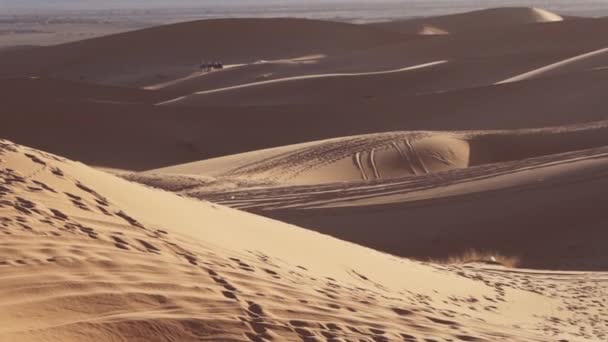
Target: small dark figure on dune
x=207 y=67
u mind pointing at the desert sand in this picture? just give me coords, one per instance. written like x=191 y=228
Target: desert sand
x=431 y=179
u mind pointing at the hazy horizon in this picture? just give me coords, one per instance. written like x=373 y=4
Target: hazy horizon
x=301 y=7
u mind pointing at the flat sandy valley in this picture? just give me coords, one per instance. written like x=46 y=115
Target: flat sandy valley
x=422 y=180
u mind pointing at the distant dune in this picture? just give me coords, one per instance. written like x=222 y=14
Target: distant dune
x=388 y=156
x=506 y=54
x=487 y=19
x=24 y=90
x=593 y=60
x=161 y=53
x=378 y=156
x=180 y=134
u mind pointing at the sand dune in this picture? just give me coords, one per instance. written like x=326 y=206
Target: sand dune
x=376 y=156
x=381 y=156
x=588 y=61
x=487 y=19
x=469 y=66
x=91 y=255
x=194 y=98
x=176 y=135
x=505 y=55
x=495 y=207
x=559 y=40
x=152 y=55
x=139 y=60
x=459 y=186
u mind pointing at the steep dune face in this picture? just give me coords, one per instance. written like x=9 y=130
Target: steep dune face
x=487 y=19
x=167 y=52
x=92 y=256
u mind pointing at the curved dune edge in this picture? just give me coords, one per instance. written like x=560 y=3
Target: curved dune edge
x=429 y=30
x=365 y=157
x=108 y=259
x=485 y=19
x=544 y=16
x=559 y=66
x=373 y=157
x=181 y=99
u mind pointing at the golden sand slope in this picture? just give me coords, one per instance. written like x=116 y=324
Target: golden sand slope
x=87 y=256
x=377 y=157
x=487 y=19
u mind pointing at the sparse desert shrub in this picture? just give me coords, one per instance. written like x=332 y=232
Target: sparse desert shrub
x=485 y=257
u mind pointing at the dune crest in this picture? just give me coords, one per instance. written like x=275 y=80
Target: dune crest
x=485 y=19
x=588 y=61
x=543 y=16
x=367 y=157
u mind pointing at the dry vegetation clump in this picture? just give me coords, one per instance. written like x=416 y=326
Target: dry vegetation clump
x=485 y=257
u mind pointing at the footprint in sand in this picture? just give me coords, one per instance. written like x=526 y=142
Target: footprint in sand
x=150 y=247
x=35 y=159
x=129 y=219
x=44 y=186
x=120 y=243
x=59 y=215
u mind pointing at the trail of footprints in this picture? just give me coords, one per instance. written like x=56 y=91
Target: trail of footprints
x=31 y=213
x=330 y=300
x=335 y=311
x=578 y=297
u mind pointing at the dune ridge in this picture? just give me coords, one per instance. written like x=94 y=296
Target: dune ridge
x=389 y=155
x=297 y=78
x=563 y=66
x=485 y=19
